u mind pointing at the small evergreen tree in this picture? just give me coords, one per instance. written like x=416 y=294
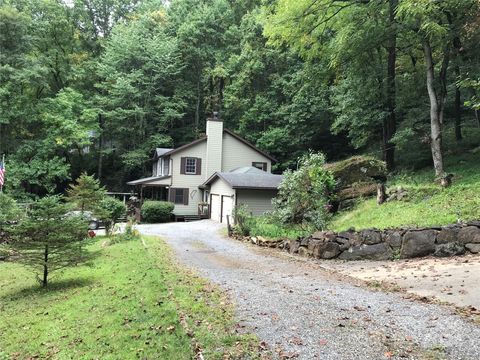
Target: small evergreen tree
x=47 y=239
x=303 y=195
x=86 y=193
x=109 y=210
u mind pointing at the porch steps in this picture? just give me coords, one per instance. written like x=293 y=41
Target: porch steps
x=187 y=218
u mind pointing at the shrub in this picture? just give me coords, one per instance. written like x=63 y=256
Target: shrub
x=156 y=211
x=303 y=195
x=130 y=233
x=109 y=210
x=244 y=221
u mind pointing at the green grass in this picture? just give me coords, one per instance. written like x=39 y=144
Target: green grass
x=132 y=302
x=265 y=227
x=427 y=203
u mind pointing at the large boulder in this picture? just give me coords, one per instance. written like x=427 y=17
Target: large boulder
x=327 y=250
x=418 y=243
x=447 y=235
x=469 y=234
x=371 y=237
x=358 y=169
x=352 y=236
x=449 y=249
x=473 y=248
x=393 y=238
x=367 y=252
x=324 y=235
x=323 y=250
x=356 y=177
x=294 y=246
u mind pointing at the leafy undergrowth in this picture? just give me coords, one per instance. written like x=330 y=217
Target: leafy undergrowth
x=268 y=228
x=132 y=302
x=426 y=203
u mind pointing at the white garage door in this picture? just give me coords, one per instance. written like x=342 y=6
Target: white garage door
x=215 y=207
x=227 y=205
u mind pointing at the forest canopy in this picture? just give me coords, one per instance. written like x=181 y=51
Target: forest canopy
x=96 y=85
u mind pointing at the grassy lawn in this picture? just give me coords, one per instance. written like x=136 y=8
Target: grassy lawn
x=426 y=203
x=132 y=302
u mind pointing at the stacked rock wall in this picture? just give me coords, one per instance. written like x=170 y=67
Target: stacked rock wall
x=373 y=244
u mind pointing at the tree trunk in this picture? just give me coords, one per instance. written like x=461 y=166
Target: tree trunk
x=390 y=123
x=458 y=108
x=45 y=268
x=381 y=195
x=436 y=112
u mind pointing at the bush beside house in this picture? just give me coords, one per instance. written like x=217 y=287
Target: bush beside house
x=156 y=211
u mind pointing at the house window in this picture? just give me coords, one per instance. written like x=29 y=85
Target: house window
x=260 y=165
x=191 y=166
x=179 y=196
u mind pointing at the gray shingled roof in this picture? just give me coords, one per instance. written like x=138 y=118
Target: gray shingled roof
x=160 y=151
x=248 y=178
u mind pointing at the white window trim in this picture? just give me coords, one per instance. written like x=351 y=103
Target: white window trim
x=195 y=166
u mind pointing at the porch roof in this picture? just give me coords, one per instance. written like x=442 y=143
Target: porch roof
x=152 y=180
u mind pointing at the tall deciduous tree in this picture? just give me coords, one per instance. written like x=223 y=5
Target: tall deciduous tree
x=349 y=33
x=433 y=23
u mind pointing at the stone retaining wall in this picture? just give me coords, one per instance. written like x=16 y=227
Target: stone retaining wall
x=373 y=244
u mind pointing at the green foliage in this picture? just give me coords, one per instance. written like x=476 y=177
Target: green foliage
x=96 y=85
x=425 y=204
x=243 y=219
x=130 y=295
x=303 y=194
x=86 y=193
x=270 y=228
x=9 y=210
x=109 y=210
x=9 y=214
x=48 y=239
x=130 y=232
x=156 y=211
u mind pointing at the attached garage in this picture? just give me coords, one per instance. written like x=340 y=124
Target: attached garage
x=215 y=207
x=248 y=186
x=227 y=207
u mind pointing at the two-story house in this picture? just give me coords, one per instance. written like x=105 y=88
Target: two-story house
x=210 y=176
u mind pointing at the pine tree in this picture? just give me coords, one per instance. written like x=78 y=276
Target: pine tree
x=48 y=239
x=86 y=193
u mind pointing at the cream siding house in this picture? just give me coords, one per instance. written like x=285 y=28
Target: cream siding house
x=186 y=175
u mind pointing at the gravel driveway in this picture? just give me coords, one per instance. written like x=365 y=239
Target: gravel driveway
x=303 y=311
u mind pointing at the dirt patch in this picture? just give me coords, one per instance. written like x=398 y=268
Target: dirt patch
x=454 y=280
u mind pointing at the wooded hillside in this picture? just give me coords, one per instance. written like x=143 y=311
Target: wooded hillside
x=96 y=85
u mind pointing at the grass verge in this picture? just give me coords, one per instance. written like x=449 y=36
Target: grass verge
x=133 y=302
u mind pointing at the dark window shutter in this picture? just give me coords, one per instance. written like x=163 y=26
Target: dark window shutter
x=182 y=165
x=185 y=196
x=265 y=166
x=171 y=195
x=199 y=167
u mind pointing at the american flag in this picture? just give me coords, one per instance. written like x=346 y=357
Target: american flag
x=2 y=172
